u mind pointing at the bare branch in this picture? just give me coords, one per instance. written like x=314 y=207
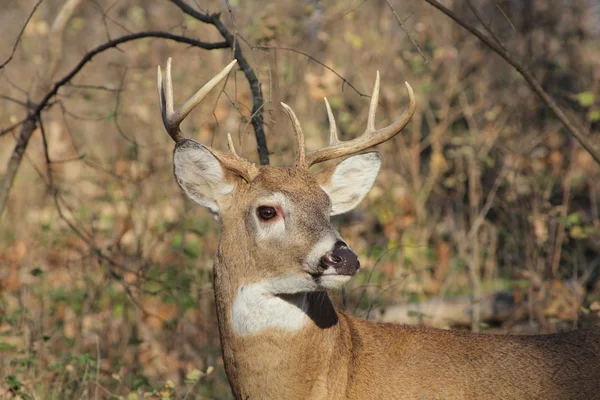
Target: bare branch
x=412 y=40
x=108 y=45
x=20 y=35
x=114 y=43
x=322 y=64
x=52 y=61
x=505 y=16
x=584 y=139
x=50 y=182
x=257 y=118
x=96 y=87
x=55 y=43
x=13 y=126
x=8 y=98
x=487 y=27
x=30 y=122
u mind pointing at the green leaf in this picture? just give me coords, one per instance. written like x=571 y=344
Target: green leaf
x=594 y=115
x=585 y=99
x=194 y=375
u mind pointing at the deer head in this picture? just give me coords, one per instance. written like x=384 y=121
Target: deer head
x=275 y=222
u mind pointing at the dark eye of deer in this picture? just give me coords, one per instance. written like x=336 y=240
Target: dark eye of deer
x=266 y=213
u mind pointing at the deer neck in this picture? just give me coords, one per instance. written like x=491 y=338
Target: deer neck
x=274 y=344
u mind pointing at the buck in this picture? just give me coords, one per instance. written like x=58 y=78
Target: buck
x=278 y=255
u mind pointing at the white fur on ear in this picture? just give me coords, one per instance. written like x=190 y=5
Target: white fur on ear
x=200 y=174
x=348 y=183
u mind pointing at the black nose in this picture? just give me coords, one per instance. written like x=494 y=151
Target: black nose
x=342 y=259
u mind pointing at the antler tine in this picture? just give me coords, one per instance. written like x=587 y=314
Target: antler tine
x=230 y=145
x=300 y=156
x=235 y=163
x=172 y=119
x=193 y=101
x=333 y=137
x=165 y=99
x=373 y=106
x=371 y=137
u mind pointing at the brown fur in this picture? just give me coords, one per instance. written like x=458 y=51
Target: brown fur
x=338 y=356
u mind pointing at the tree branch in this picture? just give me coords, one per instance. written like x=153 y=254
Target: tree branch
x=584 y=139
x=257 y=118
x=114 y=43
x=345 y=81
x=35 y=109
x=20 y=35
x=53 y=57
x=412 y=40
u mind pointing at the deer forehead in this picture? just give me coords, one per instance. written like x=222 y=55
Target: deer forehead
x=289 y=185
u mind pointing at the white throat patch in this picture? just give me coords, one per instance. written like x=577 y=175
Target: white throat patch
x=257 y=307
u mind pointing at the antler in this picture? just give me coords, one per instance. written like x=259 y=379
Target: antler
x=300 y=157
x=336 y=148
x=172 y=119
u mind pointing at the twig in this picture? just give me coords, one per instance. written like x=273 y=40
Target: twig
x=474 y=245
x=96 y=87
x=116 y=112
x=561 y=228
x=505 y=16
x=8 y=98
x=585 y=140
x=322 y=64
x=489 y=201
x=50 y=182
x=412 y=40
x=20 y=35
x=486 y=26
x=13 y=126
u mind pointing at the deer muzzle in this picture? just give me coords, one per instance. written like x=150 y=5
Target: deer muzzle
x=340 y=261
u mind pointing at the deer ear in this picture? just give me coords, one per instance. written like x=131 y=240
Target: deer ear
x=348 y=183
x=200 y=174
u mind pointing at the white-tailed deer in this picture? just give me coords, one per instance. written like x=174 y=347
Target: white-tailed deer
x=278 y=254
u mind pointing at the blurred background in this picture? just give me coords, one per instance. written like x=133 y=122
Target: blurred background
x=484 y=216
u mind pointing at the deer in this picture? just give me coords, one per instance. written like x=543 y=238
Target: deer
x=279 y=254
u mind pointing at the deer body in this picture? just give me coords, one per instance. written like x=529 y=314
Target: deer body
x=278 y=254
x=357 y=359
x=333 y=355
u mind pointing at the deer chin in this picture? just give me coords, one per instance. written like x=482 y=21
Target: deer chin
x=290 y=284
x=334 y=282
x=329 y=280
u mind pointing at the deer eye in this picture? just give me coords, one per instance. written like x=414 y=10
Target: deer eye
x=266 y=213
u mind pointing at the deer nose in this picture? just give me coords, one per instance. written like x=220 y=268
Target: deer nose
x=340 y=261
